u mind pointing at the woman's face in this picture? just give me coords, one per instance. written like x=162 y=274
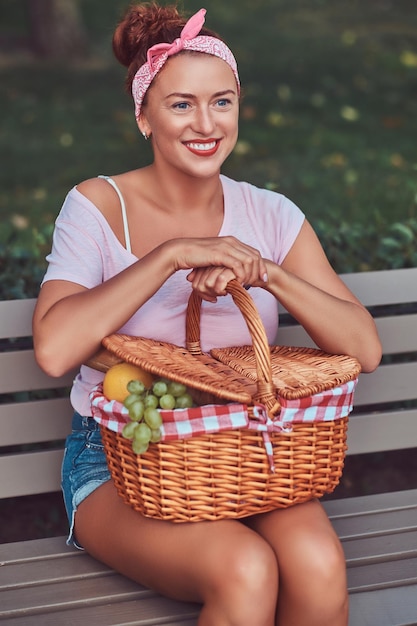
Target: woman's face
x=192 y=114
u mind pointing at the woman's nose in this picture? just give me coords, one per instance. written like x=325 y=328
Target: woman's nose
x=203 y=121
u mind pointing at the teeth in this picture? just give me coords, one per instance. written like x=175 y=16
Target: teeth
x=202 y=146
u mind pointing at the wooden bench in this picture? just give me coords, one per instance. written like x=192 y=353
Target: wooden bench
x=46 y=582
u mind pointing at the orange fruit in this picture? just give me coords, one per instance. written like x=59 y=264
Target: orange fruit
x=118 y=376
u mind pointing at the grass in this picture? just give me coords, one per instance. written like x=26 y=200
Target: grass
x=328 y=115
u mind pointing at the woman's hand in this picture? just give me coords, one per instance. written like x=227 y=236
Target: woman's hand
x=210 y=282
x=216 y=261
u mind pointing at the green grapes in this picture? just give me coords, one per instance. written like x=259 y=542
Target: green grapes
x=151 y=401
x=144 y=405
x=160 y=388
x=136 y=410
x=129 y=430
x=184 y=402
x=167 y=401
x=153 y=418
x=176 y=389
x=136 y=387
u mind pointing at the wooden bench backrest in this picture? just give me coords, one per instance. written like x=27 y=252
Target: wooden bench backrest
x=32 y=429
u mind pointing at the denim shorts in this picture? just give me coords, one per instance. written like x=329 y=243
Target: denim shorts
x=84 y=467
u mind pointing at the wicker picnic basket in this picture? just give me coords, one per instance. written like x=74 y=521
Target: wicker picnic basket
x=228 y=474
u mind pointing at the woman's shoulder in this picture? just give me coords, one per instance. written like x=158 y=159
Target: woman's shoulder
x=257 y=197
x=98 y=192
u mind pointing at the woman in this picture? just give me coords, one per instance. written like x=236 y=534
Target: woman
x=127 y=251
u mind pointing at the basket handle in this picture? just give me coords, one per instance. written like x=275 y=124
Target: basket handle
x=266 y=393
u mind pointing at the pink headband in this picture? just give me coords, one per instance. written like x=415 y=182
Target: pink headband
x=188 y=40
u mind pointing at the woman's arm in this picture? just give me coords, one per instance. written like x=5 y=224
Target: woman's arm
x=70 y=321
x=309 y=288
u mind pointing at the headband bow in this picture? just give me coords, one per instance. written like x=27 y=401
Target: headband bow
x=190 y=31
x=189 y=39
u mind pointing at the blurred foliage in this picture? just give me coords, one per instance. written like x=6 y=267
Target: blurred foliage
x=349 y=247
x=328 y=117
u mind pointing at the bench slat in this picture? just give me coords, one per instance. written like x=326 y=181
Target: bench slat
x=30 y=473
x=31 y=422
x=104 y=591
x=375 y=503
x=19 y=371
x=376 y=524
x=148 y=611
x=395 y=338
x=16 y=318
x=378 y=432
x=384 y=574
x=37 y=550
x=383 y=287
x=384 y=607
x=376 y=549
x=389 y=383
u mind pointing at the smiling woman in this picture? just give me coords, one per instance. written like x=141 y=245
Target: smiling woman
x=127 y=252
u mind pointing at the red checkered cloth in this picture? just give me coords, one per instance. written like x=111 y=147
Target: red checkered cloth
x=177 y=424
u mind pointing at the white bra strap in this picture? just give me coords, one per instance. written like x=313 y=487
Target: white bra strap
x=123 y=206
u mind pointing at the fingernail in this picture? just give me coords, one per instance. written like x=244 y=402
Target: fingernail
x=265 y=277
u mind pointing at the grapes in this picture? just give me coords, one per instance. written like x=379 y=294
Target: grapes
x=153 y=418
x=144 y=404
x=142 y=433
x=129 y=430
x=176 y=389
x=136 y=387
x=130 y=399
x=160 y=388
x=151 y=401
x=136 y=410
x=184 y=402
x=167 y=401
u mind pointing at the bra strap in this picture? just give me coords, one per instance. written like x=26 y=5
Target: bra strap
x=124 y=214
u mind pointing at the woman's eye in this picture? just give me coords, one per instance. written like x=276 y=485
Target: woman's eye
x=224 y=102
x=182 y=106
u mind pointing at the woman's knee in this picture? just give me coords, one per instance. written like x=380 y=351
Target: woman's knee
x=248 y=571
x=326 y=574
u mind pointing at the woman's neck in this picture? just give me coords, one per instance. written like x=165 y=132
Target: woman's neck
x=180 y=193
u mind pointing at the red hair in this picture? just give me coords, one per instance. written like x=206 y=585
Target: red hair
x=143 y=26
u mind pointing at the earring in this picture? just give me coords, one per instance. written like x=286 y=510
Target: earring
x=145 y=136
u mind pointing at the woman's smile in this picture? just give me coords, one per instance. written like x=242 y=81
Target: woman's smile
x=204 y=148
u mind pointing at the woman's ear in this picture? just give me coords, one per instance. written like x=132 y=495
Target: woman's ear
x=144 y=127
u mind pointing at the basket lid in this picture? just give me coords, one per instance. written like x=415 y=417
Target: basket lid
x=199 y=371
x=296 y=372
x=231 y=373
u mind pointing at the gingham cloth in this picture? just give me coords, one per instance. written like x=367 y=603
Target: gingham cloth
x=177 y=424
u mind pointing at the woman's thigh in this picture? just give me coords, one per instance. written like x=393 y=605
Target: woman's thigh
x=187 y=561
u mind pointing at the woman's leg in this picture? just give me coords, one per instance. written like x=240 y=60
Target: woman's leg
x=224 y=565
x=311 y=563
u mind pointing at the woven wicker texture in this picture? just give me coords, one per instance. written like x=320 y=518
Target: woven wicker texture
x=227 y=474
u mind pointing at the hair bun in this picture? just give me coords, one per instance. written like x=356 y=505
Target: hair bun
x=143 y=26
